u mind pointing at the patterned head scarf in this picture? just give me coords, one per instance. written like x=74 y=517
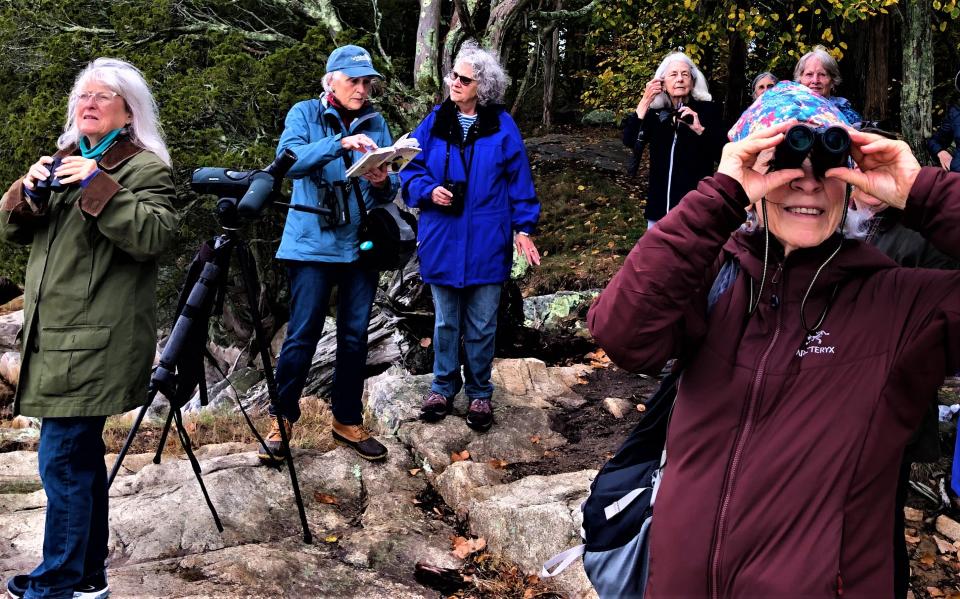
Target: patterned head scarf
x=784 y=101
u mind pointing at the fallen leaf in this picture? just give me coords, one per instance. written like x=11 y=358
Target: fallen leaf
x=581 y=188
x=934 y=592
x=927 y=560
x=425 y=342
x=416 y=501
x=462 y=547
x=944 y=546
x=461 y=456
x=324 y=498
x=498 y=464
x=528 y=594
x=535 y=439
x=415 y=471
x=330 y=539
x=641 y=407
x=911 y=539
x=549 y=454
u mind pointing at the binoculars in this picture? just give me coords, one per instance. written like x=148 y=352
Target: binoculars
x=51 y=183
x=827 y=147
x=459 y=191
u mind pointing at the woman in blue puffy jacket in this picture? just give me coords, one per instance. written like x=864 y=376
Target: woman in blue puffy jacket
x=473 y=186
x=947 y=134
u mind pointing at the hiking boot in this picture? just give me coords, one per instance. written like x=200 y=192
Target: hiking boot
x=92 y=587
x=480 y=414
x=436 y=407
x=357 y=438
x=274 y=442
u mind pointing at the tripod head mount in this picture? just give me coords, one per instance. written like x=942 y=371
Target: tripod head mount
x=242 y=194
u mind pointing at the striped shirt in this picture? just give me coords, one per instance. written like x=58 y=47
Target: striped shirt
x=466 y=122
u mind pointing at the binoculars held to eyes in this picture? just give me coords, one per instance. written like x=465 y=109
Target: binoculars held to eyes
x=827 y=147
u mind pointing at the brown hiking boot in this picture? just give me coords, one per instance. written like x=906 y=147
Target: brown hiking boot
x=357 y=438
x=274 y=442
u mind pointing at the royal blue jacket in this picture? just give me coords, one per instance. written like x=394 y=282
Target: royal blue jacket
x=476 y=246
x=947 y=134
x=313 y=130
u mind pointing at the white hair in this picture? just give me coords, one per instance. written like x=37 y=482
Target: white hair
x=492 y=81
x=700 y=89
x=828 y=62
x=376 y=83
x=127 y=80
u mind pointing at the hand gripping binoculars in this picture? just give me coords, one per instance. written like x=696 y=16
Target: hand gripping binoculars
x=827 y=147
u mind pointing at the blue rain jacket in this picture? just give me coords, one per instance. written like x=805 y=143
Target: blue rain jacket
x=313 y=130
x=476 y=246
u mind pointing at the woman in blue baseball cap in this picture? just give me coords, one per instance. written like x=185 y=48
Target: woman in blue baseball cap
x=328 y=134
x=803 y=382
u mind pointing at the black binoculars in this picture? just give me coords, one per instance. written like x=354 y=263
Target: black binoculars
x=336 y=204
x=827 y=147
x=51 y=183
x=459 y=191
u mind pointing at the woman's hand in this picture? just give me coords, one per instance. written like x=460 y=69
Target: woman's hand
x=695 y=126
x=653 y=89
x=359 y=142
x=75 y=169
x=378 y=177
x=527 y=249
x=739 y=159
x=888 y=168
x=38 y=171
x=945 y=157
x=441 y=196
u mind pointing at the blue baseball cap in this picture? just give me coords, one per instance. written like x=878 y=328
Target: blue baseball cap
x=352 y=61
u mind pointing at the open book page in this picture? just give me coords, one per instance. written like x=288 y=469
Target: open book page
x=396 y=157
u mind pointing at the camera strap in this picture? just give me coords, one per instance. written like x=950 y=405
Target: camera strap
x=463 y=160
x=355 y=183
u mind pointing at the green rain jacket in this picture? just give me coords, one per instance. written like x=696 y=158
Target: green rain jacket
x=90 y=307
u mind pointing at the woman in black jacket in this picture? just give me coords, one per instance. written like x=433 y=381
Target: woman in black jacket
x=678 y=122
x=947 y=134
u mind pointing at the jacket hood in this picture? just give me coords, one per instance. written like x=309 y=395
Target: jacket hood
x=447 y=127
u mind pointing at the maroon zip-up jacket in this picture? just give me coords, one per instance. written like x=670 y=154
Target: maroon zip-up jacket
x=783 y=448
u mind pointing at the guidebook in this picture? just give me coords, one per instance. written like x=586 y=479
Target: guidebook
x=396 y=156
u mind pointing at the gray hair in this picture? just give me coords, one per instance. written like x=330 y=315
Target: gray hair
x=829 y=64
x=127 y=80
x=492 y=81
x=759 y=78
x=376 y=84
x=700 y=89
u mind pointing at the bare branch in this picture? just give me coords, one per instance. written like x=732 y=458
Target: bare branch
x=565 y=15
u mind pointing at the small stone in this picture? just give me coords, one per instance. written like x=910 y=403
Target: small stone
x=617 y=406
x=948 y=527
x=912 y=514
x=944 y=546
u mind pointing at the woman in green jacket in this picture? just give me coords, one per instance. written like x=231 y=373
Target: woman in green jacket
x=96 y=225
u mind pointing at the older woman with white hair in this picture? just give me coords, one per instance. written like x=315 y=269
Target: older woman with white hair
x=680 y=124
x=97 y=214
x=819 y=71
x=474 y=188
x=328 y=134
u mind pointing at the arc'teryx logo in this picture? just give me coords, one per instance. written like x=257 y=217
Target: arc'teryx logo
x=814 y=345
x=361 y=58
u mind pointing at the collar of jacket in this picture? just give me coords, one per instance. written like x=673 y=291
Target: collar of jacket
x=855 y=259
x=115 y=156
x=329 y=116
x=447 y=127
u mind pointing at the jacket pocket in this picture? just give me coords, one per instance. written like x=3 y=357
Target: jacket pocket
x=73 y=360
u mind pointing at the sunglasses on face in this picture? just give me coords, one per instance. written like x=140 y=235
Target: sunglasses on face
x=463 y=80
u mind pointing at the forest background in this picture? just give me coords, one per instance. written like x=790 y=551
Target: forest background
x=225 y=72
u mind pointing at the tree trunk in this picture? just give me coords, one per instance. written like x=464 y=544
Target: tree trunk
x=734 y=101
x=502 y=19
x=426 y=67
x=876 y=88
x=552 y=38
x=915 y=100
x=529 y=78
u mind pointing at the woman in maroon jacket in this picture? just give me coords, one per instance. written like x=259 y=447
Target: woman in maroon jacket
x=803 y=384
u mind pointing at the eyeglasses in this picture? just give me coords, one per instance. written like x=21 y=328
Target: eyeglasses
x=463 y=80
x=99 y=98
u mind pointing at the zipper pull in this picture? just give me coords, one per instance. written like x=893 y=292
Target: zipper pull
x=776 y=274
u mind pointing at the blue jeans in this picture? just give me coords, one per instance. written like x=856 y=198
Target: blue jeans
x=310 y=285
x=469 y=314
x=75 y=480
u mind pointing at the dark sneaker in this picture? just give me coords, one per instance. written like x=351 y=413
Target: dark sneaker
x=480 y=414
x=357 y=438
x=274 y=442
x=92 y=587
x=17 y=586
x=436 y=407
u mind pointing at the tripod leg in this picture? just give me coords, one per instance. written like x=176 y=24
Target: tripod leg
x=163 y=436
x=248 y=272
x=185 y=443
x=130 y=436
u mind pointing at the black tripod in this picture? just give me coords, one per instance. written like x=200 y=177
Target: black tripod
x=181 y=362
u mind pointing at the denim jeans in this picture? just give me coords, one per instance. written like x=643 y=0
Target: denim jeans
x=310 y=286
x=469 y=314
x=75 y=480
